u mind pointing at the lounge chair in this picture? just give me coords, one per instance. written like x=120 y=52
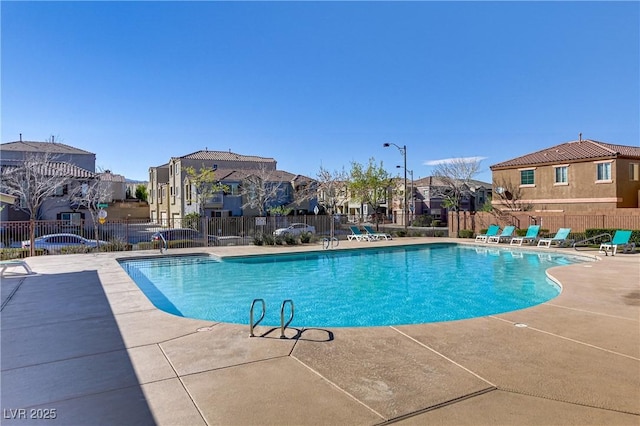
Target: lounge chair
x=14 y=262
x=531 y=237
x=377 y=235
x=358 y=235
x=493 y=230
x=620 y=238
x=560 y=239
x=506 y=233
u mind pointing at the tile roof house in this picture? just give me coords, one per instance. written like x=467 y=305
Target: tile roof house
x=65 y=161
x=171 y=197
x=578 y=176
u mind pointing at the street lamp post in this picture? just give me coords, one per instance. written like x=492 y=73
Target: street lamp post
x=411 y=204
x=403 y=151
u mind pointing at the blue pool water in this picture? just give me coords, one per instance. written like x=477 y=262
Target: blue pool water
x=351 y=288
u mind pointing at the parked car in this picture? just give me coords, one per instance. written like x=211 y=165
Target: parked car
x=181 y=234
x=55 y=243
x=294 y=229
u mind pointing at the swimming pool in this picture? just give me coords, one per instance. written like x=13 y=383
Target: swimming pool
x=351 y=288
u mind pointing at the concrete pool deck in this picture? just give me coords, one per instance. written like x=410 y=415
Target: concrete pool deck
x=81 y=343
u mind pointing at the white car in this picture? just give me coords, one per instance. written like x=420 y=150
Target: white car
x=294 y=229
x=54 y=243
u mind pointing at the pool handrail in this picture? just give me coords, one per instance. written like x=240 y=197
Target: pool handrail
x=282 y=324
x=251 y=323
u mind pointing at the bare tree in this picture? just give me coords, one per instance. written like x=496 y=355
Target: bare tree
x=89 y=195
x=510 y=195
x=262 y=189
x=34 y=180
x=456 y=177
x=331 y=189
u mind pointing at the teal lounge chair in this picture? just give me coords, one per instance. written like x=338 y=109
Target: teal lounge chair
x=560 y=239
x=530 y=238
x=374 y=234
x=620 y=238
x=506 y=234
x=493 y=230
x=358 y=235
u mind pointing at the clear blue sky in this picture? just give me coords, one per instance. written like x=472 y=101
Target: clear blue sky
x=319 y=83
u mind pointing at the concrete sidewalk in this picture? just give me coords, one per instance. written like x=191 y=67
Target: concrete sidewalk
x=81 y=343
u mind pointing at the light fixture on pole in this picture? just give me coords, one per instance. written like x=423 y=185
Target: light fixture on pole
x=411 y=204
x=403 y=151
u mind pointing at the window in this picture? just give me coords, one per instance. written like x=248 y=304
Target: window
x=61 y=190
x=603 y=171
x=562 y=174
x=634 y=171
x=527 y=177
x=72 y=218
x=187 y=193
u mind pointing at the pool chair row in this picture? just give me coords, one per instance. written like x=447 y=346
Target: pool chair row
x=370 y=234
x=494 y=235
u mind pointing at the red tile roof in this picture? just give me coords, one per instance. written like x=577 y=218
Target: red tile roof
x=585 y=149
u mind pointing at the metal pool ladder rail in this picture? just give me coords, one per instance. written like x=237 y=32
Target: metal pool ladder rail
x=283 y=326
x=606 y=234
x=251 y=323
x=165 y=245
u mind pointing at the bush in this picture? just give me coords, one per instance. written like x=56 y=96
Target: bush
x=17 y=253
x=291 y=240
x=116 y=244
x=466 y=233
x=305 y=237
x=258 y=240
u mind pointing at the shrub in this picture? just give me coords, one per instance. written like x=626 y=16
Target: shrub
x=291 y=240
x=436 y=223
x=268 y=239
x=466 y=233
x=305 y=237
x=258 y=240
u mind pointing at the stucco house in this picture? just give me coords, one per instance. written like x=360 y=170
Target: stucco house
x=580 y=176
x=171 y=195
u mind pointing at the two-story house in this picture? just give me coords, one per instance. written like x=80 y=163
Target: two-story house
x=574 y=177
x=171 y=195
x=427 y=196
x=64 y=160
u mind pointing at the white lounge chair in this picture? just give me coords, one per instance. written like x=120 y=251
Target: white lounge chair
x=506 y=233
x=560 y=239
x=377 y=235
x=358 y=235
x=620 y=238
x=531 y=236
x=493 y=230
x=4 y=264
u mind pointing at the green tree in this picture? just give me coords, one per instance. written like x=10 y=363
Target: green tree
x=141 y=192
x=203 y=184
x=370 y=184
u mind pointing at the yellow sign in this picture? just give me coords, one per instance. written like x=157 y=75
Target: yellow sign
x=101 y=219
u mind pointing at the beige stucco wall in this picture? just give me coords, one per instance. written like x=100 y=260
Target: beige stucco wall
x=582 y=193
